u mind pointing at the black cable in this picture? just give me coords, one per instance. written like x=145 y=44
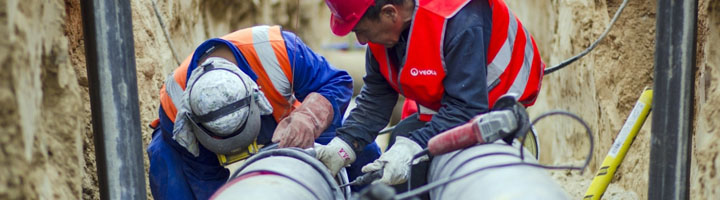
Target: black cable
x=430 y=186
x=165 y=32
x=592 y=46
x=422 y=153
x=582 y=122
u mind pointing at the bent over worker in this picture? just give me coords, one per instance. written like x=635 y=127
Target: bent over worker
x=454 y=58
x=252 y=87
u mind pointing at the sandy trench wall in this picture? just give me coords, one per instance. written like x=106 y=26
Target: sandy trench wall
x=40 y=148
x=704 y=179
x=603 y=87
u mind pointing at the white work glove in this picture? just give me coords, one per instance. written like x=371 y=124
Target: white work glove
x=335 y=155
x=395 y=162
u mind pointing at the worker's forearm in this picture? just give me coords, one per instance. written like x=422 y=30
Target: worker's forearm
x=373 y=109
x=338 y=91
x=371 y=115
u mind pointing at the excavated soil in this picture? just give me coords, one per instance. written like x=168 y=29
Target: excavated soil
x=704 y=180
x=603 y=87
x=46 y=140
x=40 y=144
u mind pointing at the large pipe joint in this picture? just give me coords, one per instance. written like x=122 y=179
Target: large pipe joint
x=288 y=173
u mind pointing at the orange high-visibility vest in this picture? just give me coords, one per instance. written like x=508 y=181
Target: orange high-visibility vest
x=263 y=47
x=513 y=61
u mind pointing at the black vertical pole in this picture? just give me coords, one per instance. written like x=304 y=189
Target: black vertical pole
x=673 y=101
x=113 y=88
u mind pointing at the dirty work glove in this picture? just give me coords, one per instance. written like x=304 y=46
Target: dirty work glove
x=395 y=163
x=304 y=124
x=335 y=155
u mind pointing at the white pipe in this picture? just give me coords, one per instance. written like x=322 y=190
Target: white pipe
x=511 y=182
x=288 y=173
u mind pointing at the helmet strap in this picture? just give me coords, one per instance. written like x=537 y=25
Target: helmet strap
x=225 y=110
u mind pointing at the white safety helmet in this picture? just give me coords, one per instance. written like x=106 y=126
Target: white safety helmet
x=225 y=106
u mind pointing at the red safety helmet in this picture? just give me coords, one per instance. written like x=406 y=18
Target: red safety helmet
x=346 y=14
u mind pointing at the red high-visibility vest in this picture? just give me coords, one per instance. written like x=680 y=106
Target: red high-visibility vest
x=513 y=61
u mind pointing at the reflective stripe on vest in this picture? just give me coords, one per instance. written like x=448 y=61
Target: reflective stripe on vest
x=513 y=62
x=175 y=92
x=177 y=78
x=264 y=49
x=514 y=65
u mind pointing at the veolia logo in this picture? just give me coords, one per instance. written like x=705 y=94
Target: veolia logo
x=426 y=72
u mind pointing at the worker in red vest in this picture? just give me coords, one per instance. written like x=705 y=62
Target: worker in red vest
x=252 y=87
x=454 y=58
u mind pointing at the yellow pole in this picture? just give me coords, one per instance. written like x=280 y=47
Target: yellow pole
x=620 y=146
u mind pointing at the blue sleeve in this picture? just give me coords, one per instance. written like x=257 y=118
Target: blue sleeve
x=312 y=73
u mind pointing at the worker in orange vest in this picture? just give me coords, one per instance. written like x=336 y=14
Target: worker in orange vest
x=453 y=58
x=255 y=86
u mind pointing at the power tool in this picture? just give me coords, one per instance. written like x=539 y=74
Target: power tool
x=507 y=120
